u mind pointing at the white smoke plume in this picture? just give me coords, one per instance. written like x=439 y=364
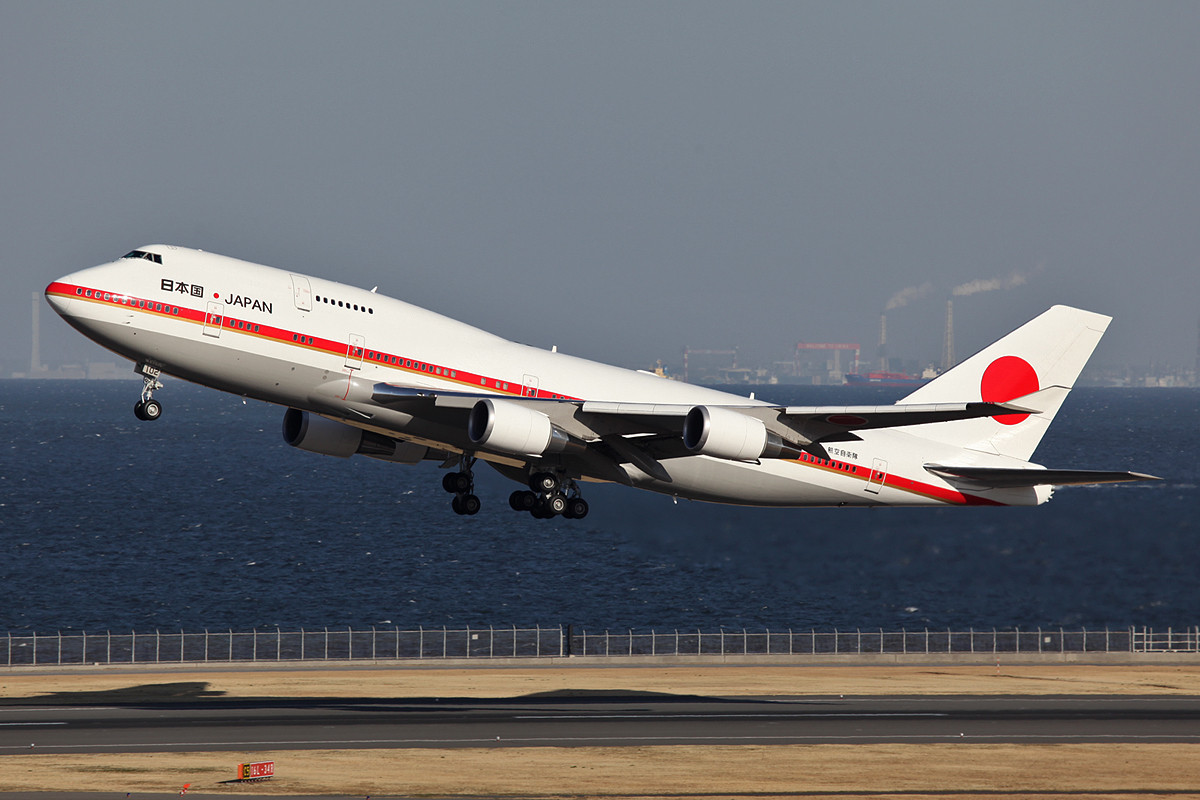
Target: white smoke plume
x=906 y=296
x=989 y=284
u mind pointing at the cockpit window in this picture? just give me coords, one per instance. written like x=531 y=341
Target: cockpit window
x=155 y=257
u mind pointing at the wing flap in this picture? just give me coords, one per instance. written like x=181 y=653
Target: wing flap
x=1018 y=478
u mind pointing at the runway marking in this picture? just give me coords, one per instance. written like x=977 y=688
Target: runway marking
x=629 y=741
x=831 y=715
x=13 y=724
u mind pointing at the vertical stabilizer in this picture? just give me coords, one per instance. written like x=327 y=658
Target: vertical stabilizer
x=1039 y=361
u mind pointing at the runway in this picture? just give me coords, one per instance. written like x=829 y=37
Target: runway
x=600 y=720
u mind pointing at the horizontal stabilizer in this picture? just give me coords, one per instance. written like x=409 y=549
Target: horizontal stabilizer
x=1016 y=478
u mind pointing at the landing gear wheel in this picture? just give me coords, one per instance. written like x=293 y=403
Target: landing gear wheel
x=522 y=500
x=543 y=482
x=151 y=410
x=556 y=504
x=137 y=410
x=465 y=504
x=456 y=482
x=577 y=508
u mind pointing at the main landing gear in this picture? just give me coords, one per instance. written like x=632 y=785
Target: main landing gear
x=461 y=484
x=148 y=408
x=551 y=495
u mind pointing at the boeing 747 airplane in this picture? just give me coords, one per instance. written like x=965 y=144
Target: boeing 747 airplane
x=361 y=373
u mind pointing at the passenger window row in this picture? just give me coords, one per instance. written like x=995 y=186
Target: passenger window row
x=340 y=304
x=126 y=300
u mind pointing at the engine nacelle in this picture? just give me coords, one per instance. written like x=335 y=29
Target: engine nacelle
x=316 y=434
x=724 y=433
x=514 y=428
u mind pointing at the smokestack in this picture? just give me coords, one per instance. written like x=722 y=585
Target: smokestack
x=35 y=359
x=883 y=342
x=948 y=345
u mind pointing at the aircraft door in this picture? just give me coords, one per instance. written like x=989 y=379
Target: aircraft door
x=878 y=475
x=355 y=351
x=529 y=386
x=214 y=317
x=303 y=292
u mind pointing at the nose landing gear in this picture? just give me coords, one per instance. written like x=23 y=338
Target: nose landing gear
x=461 y=484
x=147 y=408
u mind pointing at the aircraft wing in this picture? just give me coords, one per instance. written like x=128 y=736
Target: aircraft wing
x=802 y=425
x=1019 y=478
x=591 y=420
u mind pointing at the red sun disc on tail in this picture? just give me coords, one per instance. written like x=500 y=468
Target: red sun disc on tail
x=1008 y=378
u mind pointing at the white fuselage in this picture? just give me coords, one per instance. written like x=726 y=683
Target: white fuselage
x=320 y=346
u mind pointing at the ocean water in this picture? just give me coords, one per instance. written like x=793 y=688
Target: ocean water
x=206 y=519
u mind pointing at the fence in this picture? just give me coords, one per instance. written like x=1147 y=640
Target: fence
x=483 y=643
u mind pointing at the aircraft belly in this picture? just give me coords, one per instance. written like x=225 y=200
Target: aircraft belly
x=241 y=372
x=771 y=483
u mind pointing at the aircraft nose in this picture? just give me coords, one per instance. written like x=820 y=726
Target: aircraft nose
x=60 y=297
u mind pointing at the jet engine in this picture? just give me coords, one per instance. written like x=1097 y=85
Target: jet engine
x=316 y=434
x=514 y=428
x=724 y=433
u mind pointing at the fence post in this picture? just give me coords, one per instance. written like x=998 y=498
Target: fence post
x=835 y=641
x=722 y=640
x=768 y=641
x=445 y=640
x=1017 y=644
x=132 y=647
x=231 y=644
x=1085 y=638
x=372 y=642
x=205 y=644
x=700 y=641
x=677 y=641
x=653 y=642
x=253 y=645
x=278 y=644
x=421 y=641
x=326 y=644
x=303 y=637
x=1039 y=638
x=60 y=648
x=858 y=631
x=514 y=641
x=491 y=642
x=157 y=646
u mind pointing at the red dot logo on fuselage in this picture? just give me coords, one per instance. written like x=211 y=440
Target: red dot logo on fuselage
x=1008 y=378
